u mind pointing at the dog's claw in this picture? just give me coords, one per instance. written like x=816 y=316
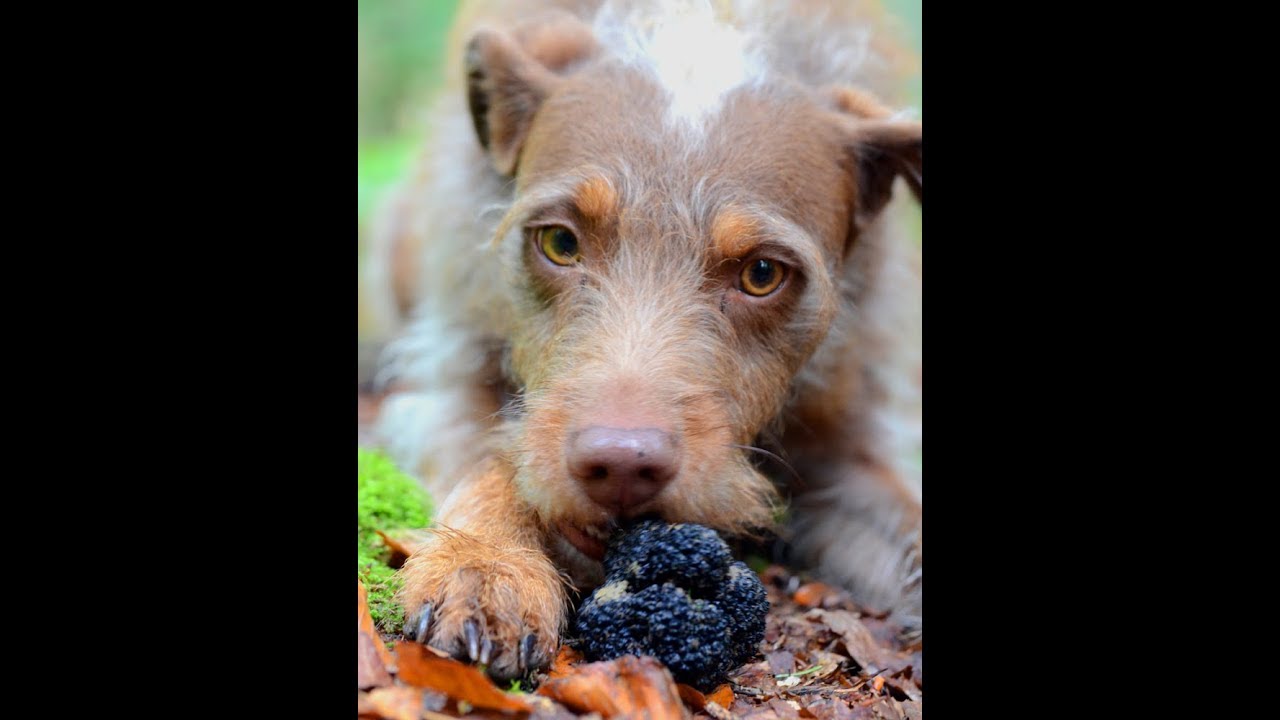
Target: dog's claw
x=472 y=632
x=525 y=654
x=486 y=650
x=424 y=624
x=418 y=625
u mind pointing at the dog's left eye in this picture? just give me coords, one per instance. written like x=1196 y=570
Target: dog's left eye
x=559 y=245
x=761 y=277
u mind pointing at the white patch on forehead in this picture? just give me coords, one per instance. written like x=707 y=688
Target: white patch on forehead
x=696 y=56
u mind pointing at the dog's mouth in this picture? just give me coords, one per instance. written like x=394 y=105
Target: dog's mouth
x=589 y=541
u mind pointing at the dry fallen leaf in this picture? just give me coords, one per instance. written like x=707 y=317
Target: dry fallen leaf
x=814 y=594
x=831 y=710
x=828 y=662
x=756 y=675
x=723 y=696
x=775 y=576
x=365 y=624
x=373 y=660
x=786 y=709
x=718 y=712
x=695 y=700
x=402 y=545
x=462 y=683
x=781 y=662
x=890 y=709
x=395 y=703
x=691 y=696
x=583 y=693
x=798 y=634
x=858 y=641
x=370 y=672
x=627 y=687
x=901 y=683
x=545 y=708
x=566 y=658
x=762 y=712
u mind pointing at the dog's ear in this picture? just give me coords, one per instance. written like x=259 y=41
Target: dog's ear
x=510 y=74
x=881 y=148
x=886 y=149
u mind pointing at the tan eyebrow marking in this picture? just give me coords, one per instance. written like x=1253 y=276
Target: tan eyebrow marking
x=734 y=233
x=596 y=198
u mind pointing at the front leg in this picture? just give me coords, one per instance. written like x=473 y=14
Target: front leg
x=483 y=587
x=859 y=526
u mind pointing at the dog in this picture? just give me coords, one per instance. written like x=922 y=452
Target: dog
x=647 y=256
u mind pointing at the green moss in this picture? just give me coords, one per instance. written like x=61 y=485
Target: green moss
x=387 y=500
x=758 y=563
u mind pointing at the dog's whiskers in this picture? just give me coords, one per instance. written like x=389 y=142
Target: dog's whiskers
x=752 y=448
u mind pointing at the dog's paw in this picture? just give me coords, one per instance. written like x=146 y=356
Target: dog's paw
x=501 y=607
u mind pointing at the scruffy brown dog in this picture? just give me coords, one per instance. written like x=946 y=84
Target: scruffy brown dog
x=645 y=238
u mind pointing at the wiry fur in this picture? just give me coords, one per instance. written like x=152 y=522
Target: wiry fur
x=505 y=355
x=694 y=58
x=497 y=575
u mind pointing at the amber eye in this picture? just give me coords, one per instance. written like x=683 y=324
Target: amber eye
x=559 y=245
x=761 y=277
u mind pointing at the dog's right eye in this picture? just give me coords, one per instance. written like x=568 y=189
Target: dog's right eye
x=559 y=245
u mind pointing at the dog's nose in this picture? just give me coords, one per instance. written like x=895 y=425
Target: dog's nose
x=623 y=469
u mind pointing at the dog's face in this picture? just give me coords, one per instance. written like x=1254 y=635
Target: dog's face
x=673 y=270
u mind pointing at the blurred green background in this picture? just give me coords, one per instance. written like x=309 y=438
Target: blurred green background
x=399 y=48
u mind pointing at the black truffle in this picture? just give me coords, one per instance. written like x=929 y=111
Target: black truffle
x=674 y=592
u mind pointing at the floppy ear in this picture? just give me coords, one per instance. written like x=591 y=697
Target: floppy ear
x=882 y=150
x=509 y=75
x=886 y=149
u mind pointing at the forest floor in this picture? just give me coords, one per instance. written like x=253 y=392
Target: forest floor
x=823 y=656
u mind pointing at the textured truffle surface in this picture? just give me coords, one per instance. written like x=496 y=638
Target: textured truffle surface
x=691 y=637
x=674 y=592
x=745 y=604
x=690 y=556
